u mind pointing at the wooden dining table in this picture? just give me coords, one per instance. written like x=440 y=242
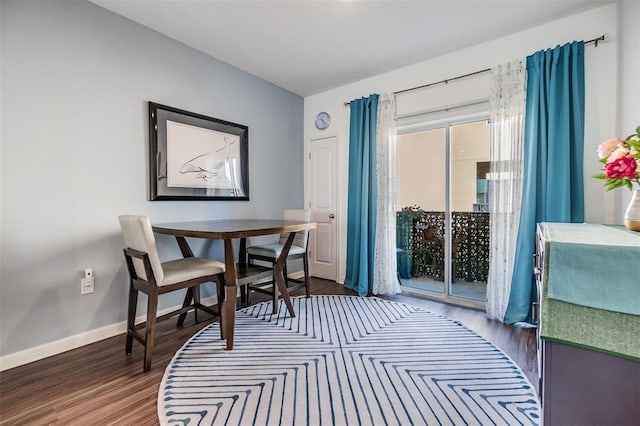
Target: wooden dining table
x=228 y=230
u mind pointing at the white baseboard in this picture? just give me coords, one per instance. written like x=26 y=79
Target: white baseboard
x=36 y=353
x=56 y=347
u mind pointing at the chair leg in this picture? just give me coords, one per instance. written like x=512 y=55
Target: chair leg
x=220 y=293
x=152 y=307
x=274 y=295
x=243 y=295
x=131 y=317
x=305 y=264
x=196 y=302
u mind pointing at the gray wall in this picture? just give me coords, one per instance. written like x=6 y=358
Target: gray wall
x=75 y=81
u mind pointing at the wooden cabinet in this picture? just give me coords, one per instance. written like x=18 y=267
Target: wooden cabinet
x=588 y=357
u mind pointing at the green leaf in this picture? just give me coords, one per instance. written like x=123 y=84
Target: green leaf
x=629 y=184
x=603 y=160
x=638 y=130
x=599 y=176
x=613 y=184
x=634 y=144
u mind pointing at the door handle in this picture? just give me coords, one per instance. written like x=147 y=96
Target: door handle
x=332 y=216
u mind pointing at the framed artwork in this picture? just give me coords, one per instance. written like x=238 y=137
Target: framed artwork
x=195 y=157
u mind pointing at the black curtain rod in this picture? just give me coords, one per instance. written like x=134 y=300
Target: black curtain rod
x=446 y=81
x=595 y=41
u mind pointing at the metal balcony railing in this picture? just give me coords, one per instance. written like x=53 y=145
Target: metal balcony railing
x=421 y=244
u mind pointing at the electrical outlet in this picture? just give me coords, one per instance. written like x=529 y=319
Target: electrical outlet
x=87 y=285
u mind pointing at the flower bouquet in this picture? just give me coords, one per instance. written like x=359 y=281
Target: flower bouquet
x=621 y=159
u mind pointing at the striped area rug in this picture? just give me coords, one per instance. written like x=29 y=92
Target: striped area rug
x=344 y=361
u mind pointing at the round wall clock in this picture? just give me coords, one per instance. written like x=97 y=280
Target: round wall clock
x=323 y=120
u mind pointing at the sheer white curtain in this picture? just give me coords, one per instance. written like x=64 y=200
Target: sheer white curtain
x=385 y=277
x=507 y=104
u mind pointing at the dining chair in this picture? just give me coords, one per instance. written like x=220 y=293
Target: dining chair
x=433 y=252
x=271 y=252
x=153 y=278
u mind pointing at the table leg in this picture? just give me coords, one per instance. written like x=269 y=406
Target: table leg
x=278 y=273
x=231 y=284
x=242 y=261
x=188 y=297
x=242 y=251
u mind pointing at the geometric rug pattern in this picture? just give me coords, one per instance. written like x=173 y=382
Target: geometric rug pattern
x=344 y=360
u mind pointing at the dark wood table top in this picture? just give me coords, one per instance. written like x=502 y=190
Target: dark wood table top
x=232 y=228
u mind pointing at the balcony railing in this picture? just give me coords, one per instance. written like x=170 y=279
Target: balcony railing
x=421 y=244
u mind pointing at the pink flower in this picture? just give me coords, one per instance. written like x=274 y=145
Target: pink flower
x=621 y=151
x=607 y=147
x=622 y=167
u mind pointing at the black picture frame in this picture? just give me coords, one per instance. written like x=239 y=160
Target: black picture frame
x=196 y=157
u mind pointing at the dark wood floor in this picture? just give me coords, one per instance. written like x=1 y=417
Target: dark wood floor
x=98 y=384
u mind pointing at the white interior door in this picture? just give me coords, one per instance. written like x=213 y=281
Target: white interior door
x=322 y=200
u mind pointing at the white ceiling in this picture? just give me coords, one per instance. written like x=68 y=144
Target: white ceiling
x=308 y=47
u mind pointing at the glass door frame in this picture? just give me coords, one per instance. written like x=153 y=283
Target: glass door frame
x=446 y=124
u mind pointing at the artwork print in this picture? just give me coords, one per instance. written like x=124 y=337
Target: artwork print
x=201 y=158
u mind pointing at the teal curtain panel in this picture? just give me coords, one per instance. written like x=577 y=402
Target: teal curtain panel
x=553 y=187
x=361 y=206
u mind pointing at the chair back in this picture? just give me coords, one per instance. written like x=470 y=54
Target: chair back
x=138 y=235
x=300 y=215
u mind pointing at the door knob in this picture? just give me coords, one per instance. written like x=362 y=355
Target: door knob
x=332 y=216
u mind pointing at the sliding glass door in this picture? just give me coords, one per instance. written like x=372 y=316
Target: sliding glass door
x=443 y=215
x=422 y=177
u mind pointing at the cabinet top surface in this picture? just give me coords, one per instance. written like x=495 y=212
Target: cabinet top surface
x=590 y=233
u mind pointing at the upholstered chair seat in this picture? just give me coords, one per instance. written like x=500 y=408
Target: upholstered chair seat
x=273 y=250
x=189 y=268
